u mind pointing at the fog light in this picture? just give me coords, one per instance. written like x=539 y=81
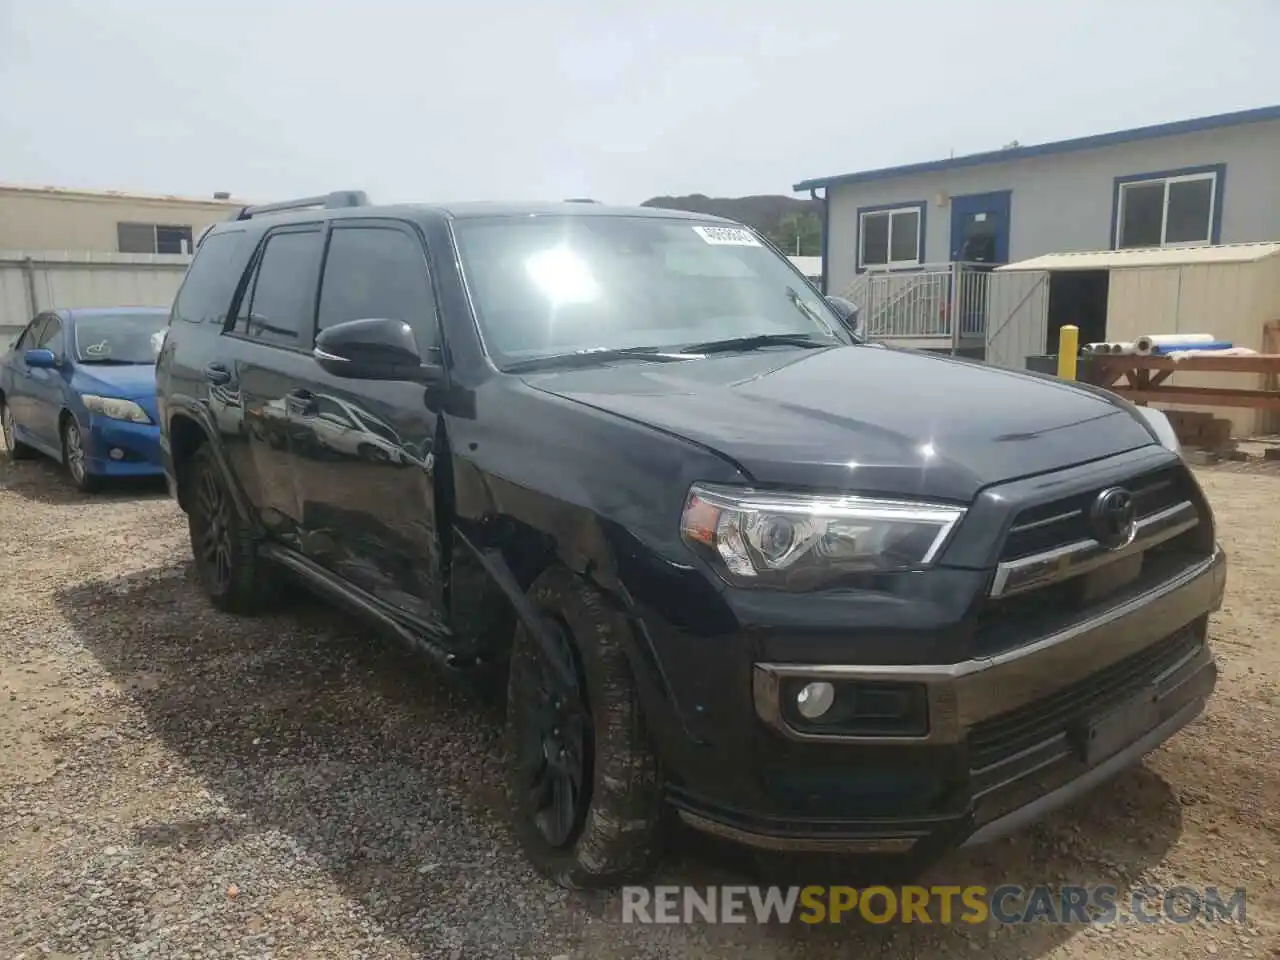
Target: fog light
x=815 y=699
x=116 y=453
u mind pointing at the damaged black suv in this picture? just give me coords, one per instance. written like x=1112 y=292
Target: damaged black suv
x=728 y=560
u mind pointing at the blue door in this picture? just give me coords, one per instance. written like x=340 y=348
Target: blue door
x=44 y=386
x=980 y=227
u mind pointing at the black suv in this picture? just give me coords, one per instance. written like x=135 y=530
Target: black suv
x=728 y=560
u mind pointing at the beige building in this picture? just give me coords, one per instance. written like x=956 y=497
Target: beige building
x=54 y=218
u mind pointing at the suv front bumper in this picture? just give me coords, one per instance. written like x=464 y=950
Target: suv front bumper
x=1017 y=722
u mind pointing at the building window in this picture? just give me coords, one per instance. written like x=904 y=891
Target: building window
x=153 y=238
x=890 y=238
x=1167 y=210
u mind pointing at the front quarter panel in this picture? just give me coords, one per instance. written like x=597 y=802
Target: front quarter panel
x=538 y=479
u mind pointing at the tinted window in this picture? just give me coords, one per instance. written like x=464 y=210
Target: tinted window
x=51 y=336
x=280 y=310
x=30 y=336
x=116 y=338
x=210 y=283
x=377 y=272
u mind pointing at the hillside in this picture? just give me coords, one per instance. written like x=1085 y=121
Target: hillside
x=783 y=219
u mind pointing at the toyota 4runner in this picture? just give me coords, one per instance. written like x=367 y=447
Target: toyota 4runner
x=729 y=560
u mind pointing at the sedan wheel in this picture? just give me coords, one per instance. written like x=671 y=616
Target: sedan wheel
x=74 y=456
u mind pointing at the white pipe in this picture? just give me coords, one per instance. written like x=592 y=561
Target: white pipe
x=1124 y=347
x=1144 y=345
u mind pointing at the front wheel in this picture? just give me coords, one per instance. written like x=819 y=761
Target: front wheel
x=75 y=457
x=584 y=784
x=225 y=552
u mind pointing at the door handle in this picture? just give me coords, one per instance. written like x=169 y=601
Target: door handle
x=217 y=374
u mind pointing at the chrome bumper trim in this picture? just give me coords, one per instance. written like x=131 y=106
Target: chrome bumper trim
x=963 y=694
x=1072 y=559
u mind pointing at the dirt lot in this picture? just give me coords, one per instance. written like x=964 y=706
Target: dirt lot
x=175 y=782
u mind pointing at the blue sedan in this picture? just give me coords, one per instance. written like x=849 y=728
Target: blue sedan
x=80 y=386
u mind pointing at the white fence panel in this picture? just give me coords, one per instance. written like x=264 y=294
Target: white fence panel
x=35 y=280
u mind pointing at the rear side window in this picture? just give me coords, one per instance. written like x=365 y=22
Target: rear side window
x=378 y=272
x=282 y=302
x=210 y=283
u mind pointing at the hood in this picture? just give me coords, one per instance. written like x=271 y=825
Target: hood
x=858 y=419
x=133 y=381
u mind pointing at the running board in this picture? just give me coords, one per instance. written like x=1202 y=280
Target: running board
x=361 y=602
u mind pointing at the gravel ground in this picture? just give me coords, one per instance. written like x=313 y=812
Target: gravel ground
x=175 y=782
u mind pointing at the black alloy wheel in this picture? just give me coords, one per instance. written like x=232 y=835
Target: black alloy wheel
x=556 y=750
x=211 y=517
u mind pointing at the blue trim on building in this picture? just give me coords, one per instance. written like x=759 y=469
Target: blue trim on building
x=919 y=205
x=1238 y=118
x=1215 y=215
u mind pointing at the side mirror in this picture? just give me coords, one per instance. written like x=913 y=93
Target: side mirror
x=848 y=313
x=374 y=348
x=40 y=358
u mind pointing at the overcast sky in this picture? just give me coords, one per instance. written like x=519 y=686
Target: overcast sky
x=516 y=100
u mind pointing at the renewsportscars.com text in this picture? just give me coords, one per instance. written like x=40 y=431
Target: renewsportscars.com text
x=940 y=904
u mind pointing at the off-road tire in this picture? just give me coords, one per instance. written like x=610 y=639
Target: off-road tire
x=234 y=577
x=620 y=833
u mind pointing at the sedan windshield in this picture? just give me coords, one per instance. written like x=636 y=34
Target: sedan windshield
x=120 y=337
x=564 y=286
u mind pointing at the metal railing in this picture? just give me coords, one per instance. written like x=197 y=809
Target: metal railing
x=923 y=302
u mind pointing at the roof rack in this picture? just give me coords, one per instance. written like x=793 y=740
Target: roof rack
x=328 y=201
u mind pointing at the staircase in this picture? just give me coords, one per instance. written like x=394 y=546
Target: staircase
x=915 y=308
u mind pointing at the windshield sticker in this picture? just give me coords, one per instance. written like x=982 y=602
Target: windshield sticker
x=98 y=349
x=727 y=236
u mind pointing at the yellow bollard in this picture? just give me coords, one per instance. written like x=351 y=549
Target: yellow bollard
x=1068 y=348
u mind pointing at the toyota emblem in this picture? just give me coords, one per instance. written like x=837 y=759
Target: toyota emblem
x=1114 y=518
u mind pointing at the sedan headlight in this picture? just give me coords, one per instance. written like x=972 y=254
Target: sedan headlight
x=115 y=408
x=801 y=541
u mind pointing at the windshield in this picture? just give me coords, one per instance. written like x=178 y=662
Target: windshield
x=557 y=285
x=120 y=337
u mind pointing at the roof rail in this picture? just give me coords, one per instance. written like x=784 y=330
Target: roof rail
x=328 y=201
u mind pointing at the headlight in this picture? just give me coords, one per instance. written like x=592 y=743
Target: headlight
x=799 y=541
x=1161 y=427
x=116 y=408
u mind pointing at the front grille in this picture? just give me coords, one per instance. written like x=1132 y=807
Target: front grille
x=1017 y=618
x=1006 y=622
x=1049 y=525
x=1004 y=736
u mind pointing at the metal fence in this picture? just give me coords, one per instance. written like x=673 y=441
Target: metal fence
x=935 y=301
x=35 y=280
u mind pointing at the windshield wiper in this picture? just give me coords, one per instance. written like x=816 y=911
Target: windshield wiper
x=758 y=341
x=596 y=355
x=109 y=360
